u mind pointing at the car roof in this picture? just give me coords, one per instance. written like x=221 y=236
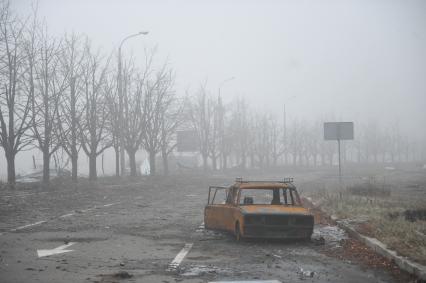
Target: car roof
x=263 y=185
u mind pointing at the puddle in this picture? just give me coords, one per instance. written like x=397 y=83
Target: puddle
x=331 y=234
x=199 y=270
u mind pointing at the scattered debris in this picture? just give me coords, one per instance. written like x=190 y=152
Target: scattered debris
x=306 y=273
x=328 y=234
x=199 y=270
x=122 y=274
x=414 y=215
x=319 y=241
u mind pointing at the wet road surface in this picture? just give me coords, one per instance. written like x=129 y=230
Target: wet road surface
x=152 y=232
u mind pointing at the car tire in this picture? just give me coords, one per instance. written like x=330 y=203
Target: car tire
x=238 y=236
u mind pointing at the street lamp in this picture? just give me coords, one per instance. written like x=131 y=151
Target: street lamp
x=225 y=81
x=120 y=98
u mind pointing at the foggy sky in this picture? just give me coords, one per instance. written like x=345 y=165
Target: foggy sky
x=346 y=60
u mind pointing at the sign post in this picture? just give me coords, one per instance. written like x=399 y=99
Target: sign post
x=339 y=131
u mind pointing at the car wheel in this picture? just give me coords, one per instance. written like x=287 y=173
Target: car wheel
x=238 y=236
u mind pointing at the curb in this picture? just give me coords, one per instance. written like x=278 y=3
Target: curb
x=380 y=248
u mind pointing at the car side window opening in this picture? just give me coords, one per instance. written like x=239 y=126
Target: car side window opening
x=291 y=198
x=276 y=197
x=219 y=196
x=232 y=195
x=259 y=196
x=268 y=196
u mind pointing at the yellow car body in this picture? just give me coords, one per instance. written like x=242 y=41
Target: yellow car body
x=277 y=212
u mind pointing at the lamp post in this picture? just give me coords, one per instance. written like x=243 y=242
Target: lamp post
x=225 y=81
x=120 y=100
x=222 y=130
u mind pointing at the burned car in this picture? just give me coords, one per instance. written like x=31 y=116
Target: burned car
x=258 y=209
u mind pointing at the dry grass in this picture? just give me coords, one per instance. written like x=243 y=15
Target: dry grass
x=382 y=218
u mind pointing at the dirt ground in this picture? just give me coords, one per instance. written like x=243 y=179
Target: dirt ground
x=131 y=230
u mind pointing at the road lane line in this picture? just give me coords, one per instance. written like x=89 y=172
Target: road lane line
x=58 y=250
x=247 y=281
x=110 y=204
x=62 y=216
x=180 y=256
x=28 y=225
x=66 y=215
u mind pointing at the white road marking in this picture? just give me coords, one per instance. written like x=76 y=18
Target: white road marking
x=58 y=250
x=248 y=281
x=180 y=256
x=66 y=215
x=23 y=195
x=110 y=204
x=62 y=216
x=28 y=225
x=88 y=209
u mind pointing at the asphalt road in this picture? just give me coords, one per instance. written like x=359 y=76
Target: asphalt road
x=151 y=232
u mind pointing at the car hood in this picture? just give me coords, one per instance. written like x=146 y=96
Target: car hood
x=273 y=209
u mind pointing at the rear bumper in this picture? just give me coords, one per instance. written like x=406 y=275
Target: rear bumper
x=277 y=232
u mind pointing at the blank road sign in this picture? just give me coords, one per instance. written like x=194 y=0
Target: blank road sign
x=338 y=130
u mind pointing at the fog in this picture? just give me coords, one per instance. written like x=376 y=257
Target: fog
x=358 y=61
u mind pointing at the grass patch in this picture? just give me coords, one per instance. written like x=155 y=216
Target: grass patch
x=381 y=216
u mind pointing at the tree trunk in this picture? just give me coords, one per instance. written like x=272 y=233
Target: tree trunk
x=11 y=177
x=244 y=161
x=46 y=166
x=117 y=161
x=74 y=162
x=214 y=163
x=165 y=162
x=92 y=167
x=204 y=162
x=74 y=152
x=132 y=161
x=152 y=163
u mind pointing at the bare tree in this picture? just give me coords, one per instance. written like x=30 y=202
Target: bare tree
x=158 y=96
x=114 y=121
x=171 y=119
x=15 y=103
x=201 y=113
x=93 y=123
x=71 y=107
x=49 y=86
x=133 y=124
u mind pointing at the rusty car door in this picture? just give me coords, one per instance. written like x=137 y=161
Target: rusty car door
x=214 y=211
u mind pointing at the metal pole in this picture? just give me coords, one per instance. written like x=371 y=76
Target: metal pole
x=120 y=107
x=340 y=167
x=120 y=98
x=285 y=137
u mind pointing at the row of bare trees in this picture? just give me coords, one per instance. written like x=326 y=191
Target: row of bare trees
x=237 y=136
x=62 y=93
